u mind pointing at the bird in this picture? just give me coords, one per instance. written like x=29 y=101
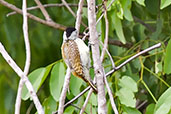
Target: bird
x=76 y=56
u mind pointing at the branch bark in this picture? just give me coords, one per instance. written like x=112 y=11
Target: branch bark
x=51 y=23
x=64 y=91
x=28 y=57
x=96 y=57
x=21 y=74
x=79 y=17
x=45 y=13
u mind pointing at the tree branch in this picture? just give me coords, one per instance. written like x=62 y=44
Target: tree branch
x=86 y=101
x=79 y=17
x=45 y=13
x=28 y=57
x=64 y=91
x=21 y=74
x=99 y=74
x=51 y=23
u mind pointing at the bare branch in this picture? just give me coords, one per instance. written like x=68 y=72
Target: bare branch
x=21 y=74
x=51 y=23
x=106 y=33
x=45 y=13
x=28 y=57
x=96 y=57
x=64 y=91
x=138 y=54
x=79 y=17
x=67 y=6
x=86 y=101
x=46 y=6
x=120 y=44
x=18 y=98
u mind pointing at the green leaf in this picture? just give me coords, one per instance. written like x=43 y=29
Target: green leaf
x=165 y=3
x=118 y=27
x=119 y=10
x=164 y=103
x=49 y=105
x=69 y=110
x=126 y=9
x=93 y=99
x=128 y=110
x=128 y=87
x=141 y=2
x=126 y=97
x=167 y=59
x=150 y=109
x=128 y=83
x=57 y=80
x=37 y=77
x=75 y=84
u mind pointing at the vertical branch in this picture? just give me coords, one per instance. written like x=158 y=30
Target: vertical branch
x=64 y=91
x=28 y=57
x=106 y=33
x=86 y=101
x=79 y=17
x=96 y=57
x=102 y=57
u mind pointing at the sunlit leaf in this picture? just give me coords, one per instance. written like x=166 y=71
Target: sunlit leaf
x=167 y=59
x=164 y=103
x=57 y=80
x=37 y=77
x=126 y=97
x=128 y=83
x=141 y=2
x=126 y=9
x=128 y=110
x=165 y=3
x=150 y=109
x=118 y=27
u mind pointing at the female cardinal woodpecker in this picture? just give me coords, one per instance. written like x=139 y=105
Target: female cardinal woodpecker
x=76 y=55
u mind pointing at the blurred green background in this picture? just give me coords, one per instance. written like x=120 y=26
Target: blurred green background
x=141 y=23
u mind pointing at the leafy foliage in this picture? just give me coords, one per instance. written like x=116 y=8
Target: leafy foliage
x=139 y=23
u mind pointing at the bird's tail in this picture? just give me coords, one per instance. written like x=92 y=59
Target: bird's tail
x=92 y=85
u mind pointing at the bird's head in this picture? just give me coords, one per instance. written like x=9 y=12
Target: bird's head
x=70 y=34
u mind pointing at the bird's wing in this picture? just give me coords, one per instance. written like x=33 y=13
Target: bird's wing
x=73 y=56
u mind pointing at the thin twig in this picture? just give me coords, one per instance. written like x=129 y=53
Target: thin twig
x=102 y=57
x=46 y=6
x=78 y=108
x=79 y=16
x=67 y=6
x=28 y=57
x=51 y=23
x=21 y=74
x=138 y=54
x=64 y=91
x=98 y=69
x=106 y=33
x=86 y=101
x=113 y=70
x=45 y=13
